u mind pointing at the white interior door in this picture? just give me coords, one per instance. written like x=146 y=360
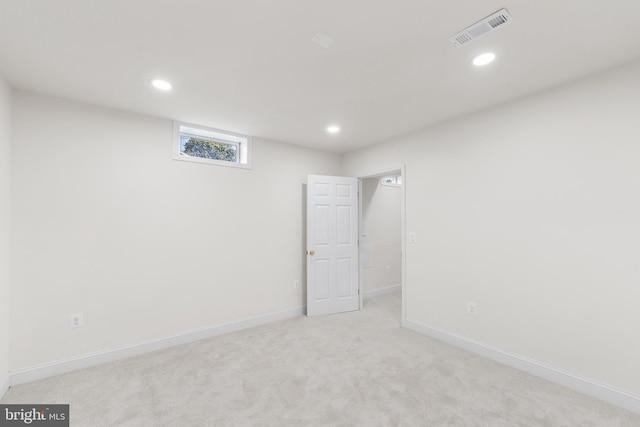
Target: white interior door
x=332 y=244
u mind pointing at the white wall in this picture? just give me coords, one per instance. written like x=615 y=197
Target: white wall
x=531 y=210
x=5 y=174
x=107 y=224
x=381 y=213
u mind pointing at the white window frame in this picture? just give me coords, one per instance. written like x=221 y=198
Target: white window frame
x=242 y=142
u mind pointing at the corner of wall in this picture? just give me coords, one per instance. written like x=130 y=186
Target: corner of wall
x=5 y=230
x=4 y=385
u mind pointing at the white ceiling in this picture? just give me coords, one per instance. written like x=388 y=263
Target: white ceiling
x=249 y=66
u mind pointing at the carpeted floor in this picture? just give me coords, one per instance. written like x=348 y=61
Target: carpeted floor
x=353 y=369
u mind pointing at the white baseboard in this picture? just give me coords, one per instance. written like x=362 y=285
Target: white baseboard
x=4 y=385
x=621 y=398
x=92 y=359
x=382 y=291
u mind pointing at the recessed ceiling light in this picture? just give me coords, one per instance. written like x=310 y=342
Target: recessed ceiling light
x=161 y=84
x=484 y=59
x=333 y=129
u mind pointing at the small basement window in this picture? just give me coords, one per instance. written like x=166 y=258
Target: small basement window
x=393 y=181
x=195 y=143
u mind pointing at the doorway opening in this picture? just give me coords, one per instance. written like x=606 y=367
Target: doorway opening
x=382 y=235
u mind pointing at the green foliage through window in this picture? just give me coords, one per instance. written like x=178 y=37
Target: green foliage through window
x=200 y=144
x=210 y=150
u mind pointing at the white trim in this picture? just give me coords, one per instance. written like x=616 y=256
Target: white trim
x=621 y=398
x=92 y=359
x=381 y=172
x=383 y=291
x=4 y=385
x=403 y=226
x=360 y=230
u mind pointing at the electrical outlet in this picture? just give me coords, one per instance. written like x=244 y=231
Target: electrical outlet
x=296 y=284
x=76 y=321
x=472 y=308
x=412 y=237
x=388 y=269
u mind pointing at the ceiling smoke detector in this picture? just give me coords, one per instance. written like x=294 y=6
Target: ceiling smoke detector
x=322 y=40
x=490 y=23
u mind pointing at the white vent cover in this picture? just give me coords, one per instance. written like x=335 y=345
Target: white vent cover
x=480 y=28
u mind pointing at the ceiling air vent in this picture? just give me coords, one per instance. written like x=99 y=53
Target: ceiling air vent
x=480 y=28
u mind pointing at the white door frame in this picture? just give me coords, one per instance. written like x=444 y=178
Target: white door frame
x=375 y=174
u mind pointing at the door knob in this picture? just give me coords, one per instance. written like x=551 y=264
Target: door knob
x=312 y=252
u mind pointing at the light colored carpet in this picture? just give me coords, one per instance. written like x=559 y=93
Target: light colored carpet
x=353 y=369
